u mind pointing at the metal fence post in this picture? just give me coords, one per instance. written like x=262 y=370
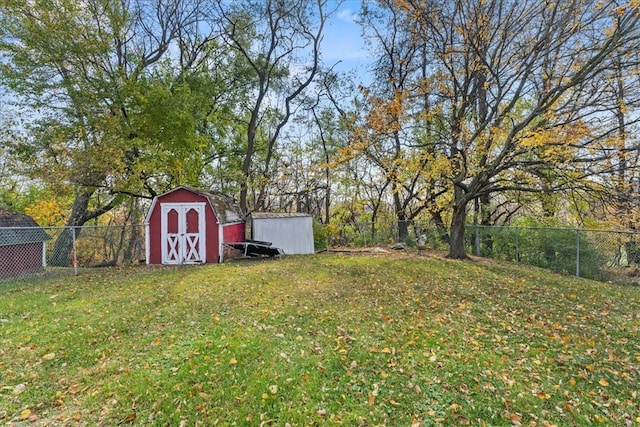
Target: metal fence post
x=74 y=256
x=517 y=248
x=476 y=234
x=577 y=252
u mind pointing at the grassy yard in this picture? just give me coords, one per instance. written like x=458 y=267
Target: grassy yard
x=320 y=340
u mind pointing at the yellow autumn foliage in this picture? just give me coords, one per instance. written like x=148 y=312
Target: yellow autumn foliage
x=47 y=213
x=555 y=144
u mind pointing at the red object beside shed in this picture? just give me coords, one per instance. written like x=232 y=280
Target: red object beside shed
x=22 y=245
x=189 y=226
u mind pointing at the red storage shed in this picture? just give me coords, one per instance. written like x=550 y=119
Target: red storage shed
x=22 y=245
x=189 y=226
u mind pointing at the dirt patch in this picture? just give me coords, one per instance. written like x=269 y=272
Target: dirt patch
x=388 y=252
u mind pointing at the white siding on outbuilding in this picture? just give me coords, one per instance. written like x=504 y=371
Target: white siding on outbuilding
x=291 y=232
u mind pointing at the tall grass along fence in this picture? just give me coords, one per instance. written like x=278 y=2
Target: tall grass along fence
x=31 y=252
x=595 y=254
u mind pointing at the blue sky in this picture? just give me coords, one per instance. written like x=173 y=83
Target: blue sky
x=343 y=41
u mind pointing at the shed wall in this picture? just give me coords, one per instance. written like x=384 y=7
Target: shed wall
x=233 y=232
x=292 y=234
x=154 y=235
x=20 y=259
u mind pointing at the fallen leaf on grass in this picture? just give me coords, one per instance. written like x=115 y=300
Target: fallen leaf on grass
x=516 y=420
x=19 y=388
x=25 y=414
x=128 y=418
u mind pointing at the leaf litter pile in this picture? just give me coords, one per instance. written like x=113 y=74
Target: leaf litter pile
x=320 y=340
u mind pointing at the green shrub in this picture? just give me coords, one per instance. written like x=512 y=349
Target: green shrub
x=320 y=235
x=536 y=243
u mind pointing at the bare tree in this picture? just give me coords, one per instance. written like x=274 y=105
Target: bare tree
x=280 y=42
x=513 y=83
x=389 y=137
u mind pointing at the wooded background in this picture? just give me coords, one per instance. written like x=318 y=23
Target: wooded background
x=489 y=112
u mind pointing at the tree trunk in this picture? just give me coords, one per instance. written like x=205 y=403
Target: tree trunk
x=401 y=216
x=80 y=214
x=403 y=228
x=456 y=238
x=441 y=228
x=247 y=164
x=61 y=254
x=327 y=177
x=327 y=202
x=374 y=218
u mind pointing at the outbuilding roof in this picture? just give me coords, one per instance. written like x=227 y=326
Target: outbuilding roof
x=17 y=228
x=274 y=215
x=226 y=208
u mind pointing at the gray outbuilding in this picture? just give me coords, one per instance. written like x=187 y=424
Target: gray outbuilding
x=292 y=232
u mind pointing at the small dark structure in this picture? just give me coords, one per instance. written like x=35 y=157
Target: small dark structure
x=256 y=248
x=190 y=226
x=23 y=247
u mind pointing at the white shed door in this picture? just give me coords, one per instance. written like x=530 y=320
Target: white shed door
x=183 y=233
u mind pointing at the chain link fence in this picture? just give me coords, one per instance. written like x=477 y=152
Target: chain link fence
x=411 y=233
x=31 y=252
x=594 y=254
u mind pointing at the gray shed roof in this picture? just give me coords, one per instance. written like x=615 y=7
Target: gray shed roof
x=274 y=215
x=226 y=208
x=17 y=228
